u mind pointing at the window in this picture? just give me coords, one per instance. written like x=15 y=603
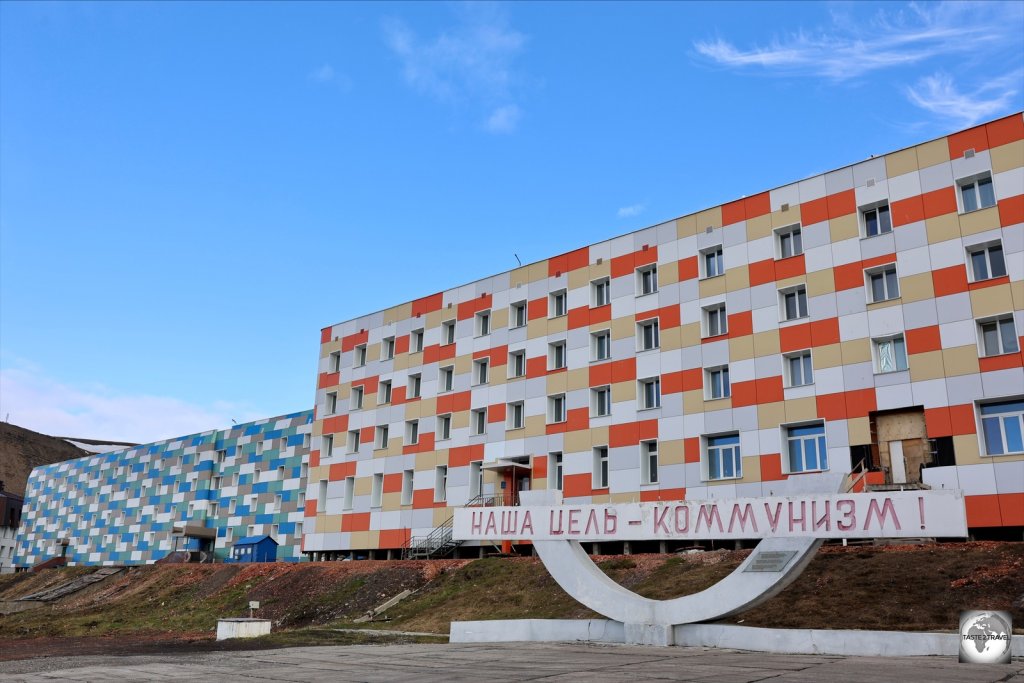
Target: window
x=556 y=408
x=321 y=497
x=883 y=284
x=557 y=303
x=479 y=420
x=600 y=292
x=349 y=493
x=447 y=378
x=416 y=341
x=788 y=242
x=793 y=302
x=876 y=220
x=440 y=484
x=517 y=364
x=987 y=261
x=555 y=471
x=998 y=336
x=601 y=401
x=214 y=509
x=332 y=403
x=476 y=478
x=412 y=431
x=302 y=500
x=359 y=359
x=649 y=462
x=382 y=436
x=601 y=345
x=215 y=483
x=480 y=368
x=444 y=427
x=600 y=478
x=377 y=490
x=1002 y=423
x=334 y=362
x=647 y=279
x=556 y=356
x=806 y=447
x=723 y=457
x=415 y=385
x=516 y=416
x=890 y=354
x=517 y=314
x=711 y=262
x=977 y=193
x=353 y=441
x=648 y=336
x=357 y=398
x=407 y=478
x=448 y=332
x=716 y=383
x=387 y=348
x=715 y=321
x=384 y=393
x=327 y=442
x=650 y=393
x=231 y=503
x=221 y=457
x=483 y=323
x=799 y=371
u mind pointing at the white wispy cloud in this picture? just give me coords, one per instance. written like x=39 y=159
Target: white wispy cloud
x=848 y=49
x=35 y=401
x=970 y=35
x=939 y=94
x=473 y=60
x=327 y=74
x=630 y=211
x=323 y=74
x=504 y=119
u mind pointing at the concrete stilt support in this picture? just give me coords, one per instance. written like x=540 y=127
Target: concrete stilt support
x=481 y=554
x=661 y=635
x=662 y=547
x=595 y=549
x=627 y=548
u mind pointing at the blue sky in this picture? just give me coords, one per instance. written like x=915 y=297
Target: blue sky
x=189 y=192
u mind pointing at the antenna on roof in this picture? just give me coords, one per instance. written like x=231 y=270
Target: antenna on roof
x=517 y=259
x=234 y=421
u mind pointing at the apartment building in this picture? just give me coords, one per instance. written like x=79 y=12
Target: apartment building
x=192 y=496
x=866 y=319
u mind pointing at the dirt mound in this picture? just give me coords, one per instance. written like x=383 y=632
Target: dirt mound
x=919 y=588
x=21 y=450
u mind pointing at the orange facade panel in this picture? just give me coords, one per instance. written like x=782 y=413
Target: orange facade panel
x=1011 y=210
x=351 y=341
x=565 y=263
x=427 y=304
x=467 y=309
x=950 y=280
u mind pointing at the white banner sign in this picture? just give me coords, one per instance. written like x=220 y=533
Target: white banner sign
x=862 y=515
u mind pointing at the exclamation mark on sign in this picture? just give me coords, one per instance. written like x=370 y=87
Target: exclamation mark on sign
x=920 y=509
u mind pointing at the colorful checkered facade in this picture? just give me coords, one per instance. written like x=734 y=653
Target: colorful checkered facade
x=121 y=507
x=709 y=356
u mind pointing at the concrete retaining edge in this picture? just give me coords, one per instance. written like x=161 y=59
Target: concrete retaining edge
x=726 y=636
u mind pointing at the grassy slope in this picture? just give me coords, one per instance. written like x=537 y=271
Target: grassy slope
x=915 y=589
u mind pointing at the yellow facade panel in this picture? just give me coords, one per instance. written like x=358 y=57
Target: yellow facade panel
x=900 y=163
x=932 y=153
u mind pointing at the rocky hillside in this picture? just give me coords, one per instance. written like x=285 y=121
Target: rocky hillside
x=22 y=449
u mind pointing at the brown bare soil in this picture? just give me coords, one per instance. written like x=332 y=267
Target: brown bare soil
x=21 y=450
x=175 y=607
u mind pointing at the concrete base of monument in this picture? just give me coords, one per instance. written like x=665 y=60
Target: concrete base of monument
x=725 y=636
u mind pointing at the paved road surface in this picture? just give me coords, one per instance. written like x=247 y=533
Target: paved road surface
x=490 y=663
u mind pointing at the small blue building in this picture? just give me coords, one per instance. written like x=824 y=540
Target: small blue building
x=255 y=549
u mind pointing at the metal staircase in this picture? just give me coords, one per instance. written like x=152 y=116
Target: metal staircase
x=439 y=542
